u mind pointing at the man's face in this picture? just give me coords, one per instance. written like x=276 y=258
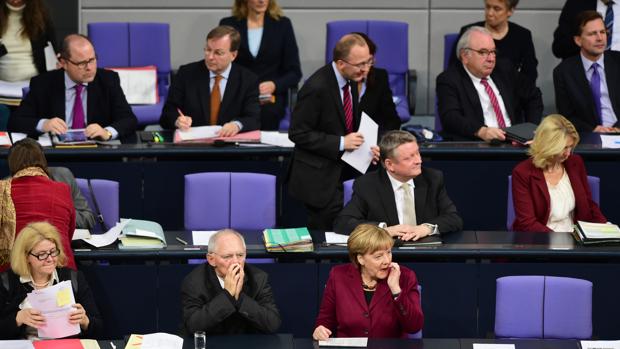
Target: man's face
x=229 y=251
x=407 y=162
x=480 y=56
x=81 y=66
x=218 y=54
x=593 y=39
x=356 y=66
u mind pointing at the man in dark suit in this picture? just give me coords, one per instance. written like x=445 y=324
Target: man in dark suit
x=587 y=89
x=481 y=96
x=407 y=200
x=77 y=96
x=323 y=124
x=214 y=91
x=563 y=43
x=226 y=295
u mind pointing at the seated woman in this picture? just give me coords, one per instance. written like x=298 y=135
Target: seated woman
x=370 y=297
x=550 y=190
x=37 y=262
x=31 y=196
x=512 y=41
x=269 y=50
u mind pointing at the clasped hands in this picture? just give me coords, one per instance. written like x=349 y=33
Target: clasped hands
x=58 y=126
x=408 y=232
x=34 y=318
x=233 y=281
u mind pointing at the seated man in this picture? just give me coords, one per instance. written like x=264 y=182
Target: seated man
x=225 y=295
x=409 y=201
x=78 y=96
x=84 y=216
x=478 y=98
x=214 y=91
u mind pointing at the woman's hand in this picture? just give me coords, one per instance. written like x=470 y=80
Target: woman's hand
x=30 y=317
x=321 y=333
x=393 y=279
x=78 y=316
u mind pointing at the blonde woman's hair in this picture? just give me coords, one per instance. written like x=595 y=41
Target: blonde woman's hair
x=550 y=139
x=27 y=239
x=240 y=9
x=367 y=238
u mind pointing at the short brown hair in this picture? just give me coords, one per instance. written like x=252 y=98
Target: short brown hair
x=344 y=45
x=367 y=238
x=223 y=30
x=26 y=153
x=584 y=18
x=27 y=239
x=240 y=9
x=392 y=140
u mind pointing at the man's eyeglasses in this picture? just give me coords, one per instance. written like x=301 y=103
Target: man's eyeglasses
x=228 y=257
x=82 y=64
x=483 y=52
x=43 y=255
x=362 y=65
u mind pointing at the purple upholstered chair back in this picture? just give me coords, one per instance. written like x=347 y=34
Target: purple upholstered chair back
x=543 y=307
x=449 y=41
x=216 y=200
x=106 y=193
x=348 y=190
x=111 y=41
x=149 y=44
x=595 y=189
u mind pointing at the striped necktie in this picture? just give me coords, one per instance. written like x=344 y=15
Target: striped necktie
x=498 y=111
x=609 y=21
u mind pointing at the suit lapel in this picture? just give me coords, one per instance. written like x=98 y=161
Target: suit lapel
x=230 y=91
x=386 y=195
x=58 y=102
x=538 y=179
x=581 y=80
x=421 y=187
x=93 y=111
x=243 y=29
x=382 y=291
x=355 y=279
x=268 y=32
x=335 y=93
x=204 y=93
x=613 y=83
x=472 y=94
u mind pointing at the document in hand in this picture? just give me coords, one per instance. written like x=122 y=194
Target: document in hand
x=55 y=303
x=288 y=240
x=596 y=233
x=361 y=157
x=158 y=340
x=141 y=234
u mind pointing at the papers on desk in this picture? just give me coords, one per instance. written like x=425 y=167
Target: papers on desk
x=13 y=89
x=109 y=237
x=288 y=240
x=44 y=139
x=55 y=303
x=600 y=344
x=80 y=234
x=201 y=237
x=358 y=342
x=592 y=233
x=276 y=138
x=16 y=344
x=199 y=132
x=61 y=344
x=5 y=139
x=493 y=346
x=208 y=134
x=610 y=141
x=141 y=234
x=158 y=340
x=332 y=238
x=361 y=157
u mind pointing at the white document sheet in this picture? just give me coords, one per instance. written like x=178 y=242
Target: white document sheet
x=139 y=84
x=358 y=342
x=333 y=238
x=600 y=344
x=610 y=141
x=276 y=138
x=13 y=89
x=201 y=237
x=45 y=140
x=55 y=303
x=80 y=234
x=361 y=157
x=107 y=238
x=51 y=61
x=199 y=132
x=161 y=341
x=493 y=346
x=16 y=344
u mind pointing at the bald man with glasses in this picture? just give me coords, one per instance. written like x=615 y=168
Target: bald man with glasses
x=78 y=96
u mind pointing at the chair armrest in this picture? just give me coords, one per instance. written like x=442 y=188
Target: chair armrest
x=412 y=84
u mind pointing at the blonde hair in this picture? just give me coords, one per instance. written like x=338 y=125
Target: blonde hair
x=367 y=238
x=27 y=239
x=240 y=9
x=550 y=139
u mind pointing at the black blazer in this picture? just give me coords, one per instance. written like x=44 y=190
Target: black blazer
x=106 y=103
x=278 y=57
x=573 y=97
x=38 y=46
x=563 y=43
x=318 y=122
x=208 y=307
x=373 y=202
x=11 y=298
x=459 y=106
x=190 y=92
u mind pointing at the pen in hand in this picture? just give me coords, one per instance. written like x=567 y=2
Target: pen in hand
x=183 y=122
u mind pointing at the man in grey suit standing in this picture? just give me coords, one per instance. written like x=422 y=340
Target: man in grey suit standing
x=84 y=216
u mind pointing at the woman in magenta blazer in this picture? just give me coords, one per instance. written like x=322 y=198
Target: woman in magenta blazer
x=370 y=297
x=550 y=190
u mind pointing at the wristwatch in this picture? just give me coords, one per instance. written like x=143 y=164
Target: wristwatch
x=108 y=133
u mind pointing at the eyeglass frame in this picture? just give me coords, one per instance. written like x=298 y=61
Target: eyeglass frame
x=483 y=52
x=370 y=63
x=82 y=64
x=51 y=253
x=230 y=256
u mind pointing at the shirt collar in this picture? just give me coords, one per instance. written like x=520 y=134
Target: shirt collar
x=28 y=279
x=70 y=84
x=396 y=184
x=341 y=80
x=475 y=78
x=224 y=74
x=588 y=63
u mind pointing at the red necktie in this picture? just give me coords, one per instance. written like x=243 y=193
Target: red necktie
x=494 y=103
x=78 y=109
x=216 y=100
x=348 y=108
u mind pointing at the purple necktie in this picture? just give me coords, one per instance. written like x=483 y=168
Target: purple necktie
x=78 y=109
x=595 y=86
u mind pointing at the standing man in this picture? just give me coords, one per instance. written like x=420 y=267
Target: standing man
x=587 y=89
x=478 y=98
x=324 y=125
x=225 y=295
x=78 y=96
x=214 y=91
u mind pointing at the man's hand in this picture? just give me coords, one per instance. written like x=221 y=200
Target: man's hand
x=408 y=232
x=239 y=283
x=232 y=278
x=96 y=131
x=228 y=130
x=267 y=88
x=183 y=122
x=605 y=129
x=375 y=154
x=488 y=134
x=56 y=126
x=353 y=141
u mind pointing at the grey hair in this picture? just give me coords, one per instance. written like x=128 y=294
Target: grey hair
x=215 y=237
x=464 y=43
x=392 y=140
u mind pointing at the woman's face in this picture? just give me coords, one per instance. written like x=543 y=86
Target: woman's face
x=496 y=12
x=16 y=3
x=376 y=265
x=258 y=6
x=46 y=266
x=568 y=149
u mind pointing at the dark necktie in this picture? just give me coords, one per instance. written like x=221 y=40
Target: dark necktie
x=348 y=108
x=609 y=21
x=78 y=109
x=498 y=111
x=595 y=86
x=216 y=100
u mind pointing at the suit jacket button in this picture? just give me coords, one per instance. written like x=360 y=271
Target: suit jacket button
x=366 y=331
x=366 y=314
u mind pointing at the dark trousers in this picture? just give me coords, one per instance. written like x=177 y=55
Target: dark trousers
x=322 y=218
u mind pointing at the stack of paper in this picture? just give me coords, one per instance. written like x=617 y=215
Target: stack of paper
x=155 y=341
x=55 y=303
x=288 y=240
x=596 y=233
x=140 y=234
x=209 y=134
